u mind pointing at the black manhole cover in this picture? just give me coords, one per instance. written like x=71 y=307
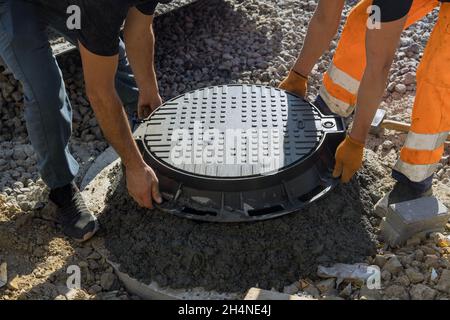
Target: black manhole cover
x=240 y=152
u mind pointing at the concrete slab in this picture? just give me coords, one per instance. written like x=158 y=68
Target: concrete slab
x=428 y=209
x=405 y=219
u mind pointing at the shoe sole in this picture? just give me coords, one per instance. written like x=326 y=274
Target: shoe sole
x=89 y=235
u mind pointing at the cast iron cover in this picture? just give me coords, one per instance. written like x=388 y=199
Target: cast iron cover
x=240 y=152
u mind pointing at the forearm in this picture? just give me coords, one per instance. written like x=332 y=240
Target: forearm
x=369 y=97
x=113 y=121
x=321 y=31
x=140 y=44
x=381 y=45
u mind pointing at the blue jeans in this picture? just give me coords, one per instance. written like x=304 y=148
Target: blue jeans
x=25 y=49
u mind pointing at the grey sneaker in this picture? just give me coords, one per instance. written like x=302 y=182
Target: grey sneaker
x=75 y=218
x=400 y=193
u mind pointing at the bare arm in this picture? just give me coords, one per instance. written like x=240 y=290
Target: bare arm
x=381 y=45
x=99 y=75
x=140 y=44
x=321 y=31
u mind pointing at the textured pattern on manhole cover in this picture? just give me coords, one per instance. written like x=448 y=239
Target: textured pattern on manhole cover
x=234 y=131
x=240 y=153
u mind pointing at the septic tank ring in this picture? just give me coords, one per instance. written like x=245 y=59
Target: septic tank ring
x=240 y=152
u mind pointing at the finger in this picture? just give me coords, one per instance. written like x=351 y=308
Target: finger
x=140 y=204
x=147 y=200
x=347 y=175
x=144 y=111
x=337 y=169
x=155 y=191
x=147 y=111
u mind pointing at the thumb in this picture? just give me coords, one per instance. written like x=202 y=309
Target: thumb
x=155 y=191
x=144 y=111
x=347 y=175
x=338 y=167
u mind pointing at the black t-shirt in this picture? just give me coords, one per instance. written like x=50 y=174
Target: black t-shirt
x=392 y=10
x=101 y=20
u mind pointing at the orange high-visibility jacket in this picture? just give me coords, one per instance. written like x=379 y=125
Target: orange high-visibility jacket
x=430 y=125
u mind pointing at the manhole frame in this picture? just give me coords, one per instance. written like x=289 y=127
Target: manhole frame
x=174 y=181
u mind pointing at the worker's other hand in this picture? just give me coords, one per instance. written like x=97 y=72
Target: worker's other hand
x=143 y=185
x=146 y=105
x=349 y=157
x=295 y=83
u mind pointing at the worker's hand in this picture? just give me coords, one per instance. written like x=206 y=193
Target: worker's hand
x=295 y=83
x=143 y=185
x=146 y=105
x=349 y=157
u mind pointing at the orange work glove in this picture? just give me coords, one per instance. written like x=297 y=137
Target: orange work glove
x=349 y=157
x=295 y=83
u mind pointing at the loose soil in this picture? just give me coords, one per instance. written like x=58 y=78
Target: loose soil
x=180 y=253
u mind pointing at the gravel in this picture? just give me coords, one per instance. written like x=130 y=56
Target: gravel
x=213 y=42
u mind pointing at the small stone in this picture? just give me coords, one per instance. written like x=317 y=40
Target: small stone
x=95 y=289
x=60 y=297
x=326 y=286
x=431 y=261
x=407 y=259
x=444 y=281
x=312 y=291
x=74 y=294
x=419 y=254
x=414 y=275
x=403 y=280
x=107 y=280
x=292 y=289
x=14 y=284
x=369 y=294
x=393 y=265
x=400 y=88
x=440 y=240
x=380 y=260
x=19 y=154
x=409 y=78
x=396 y=292
x=386 y=275
x=347 y=291
x=414 y=48
x=422 y=292
x=94 y=256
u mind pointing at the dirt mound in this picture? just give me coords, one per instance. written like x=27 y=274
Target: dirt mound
x=180 y=253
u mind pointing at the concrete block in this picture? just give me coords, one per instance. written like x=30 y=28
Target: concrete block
x=260 y=294
x=390 y=235
x=405 y=219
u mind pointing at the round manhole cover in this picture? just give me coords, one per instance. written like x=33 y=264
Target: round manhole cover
x=239 y=152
